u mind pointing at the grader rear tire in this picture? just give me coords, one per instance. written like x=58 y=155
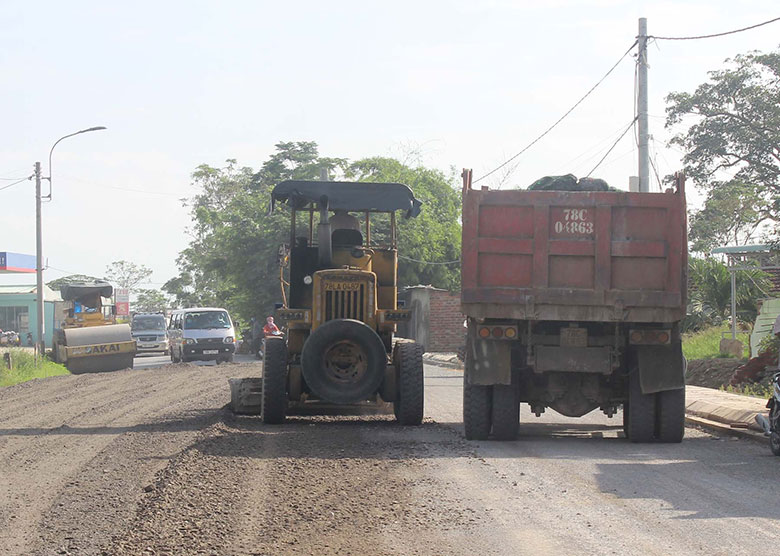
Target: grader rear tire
x=274 y=397
x=409 y=402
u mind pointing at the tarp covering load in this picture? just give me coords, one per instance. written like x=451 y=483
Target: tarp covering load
x=569 y=182
x=78 y=290
x=349 y=196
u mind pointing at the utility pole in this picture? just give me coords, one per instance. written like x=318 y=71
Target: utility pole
x=644 y=135
x=39 y=262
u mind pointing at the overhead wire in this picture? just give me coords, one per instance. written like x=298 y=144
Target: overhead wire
x=714 y=34
x=553 y=126
x=586 y=156
x=15 y=183
x=603 y=158
x=428 y=262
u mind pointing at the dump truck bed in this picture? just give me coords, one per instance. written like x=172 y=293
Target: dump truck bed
x=576 y=256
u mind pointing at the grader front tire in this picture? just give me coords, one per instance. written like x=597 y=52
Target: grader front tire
x=274 y=397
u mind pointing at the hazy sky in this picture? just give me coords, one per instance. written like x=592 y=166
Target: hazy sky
x=178 y=84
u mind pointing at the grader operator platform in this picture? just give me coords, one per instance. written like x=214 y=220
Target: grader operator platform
x=90 y=340
x=342 y=307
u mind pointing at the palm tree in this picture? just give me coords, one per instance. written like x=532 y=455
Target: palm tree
x=710 y=293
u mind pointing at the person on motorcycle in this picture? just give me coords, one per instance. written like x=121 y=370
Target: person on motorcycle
x=270 y=329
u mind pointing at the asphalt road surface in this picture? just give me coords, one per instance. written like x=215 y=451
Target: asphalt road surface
x=149 y=461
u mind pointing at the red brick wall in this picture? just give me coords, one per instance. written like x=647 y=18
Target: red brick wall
x=446 y=322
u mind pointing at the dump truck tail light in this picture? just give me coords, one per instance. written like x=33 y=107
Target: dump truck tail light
x=646 y=336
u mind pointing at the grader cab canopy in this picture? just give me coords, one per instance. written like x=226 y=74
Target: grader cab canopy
x=348 y=196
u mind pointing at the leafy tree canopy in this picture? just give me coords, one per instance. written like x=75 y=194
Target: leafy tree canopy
x=150 y=301
x=733 y=126
x=231 y=260
x=731 y=216
x=126 y=274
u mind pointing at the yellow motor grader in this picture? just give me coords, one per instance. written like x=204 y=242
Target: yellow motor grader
x=90 y=340
x=342 y=307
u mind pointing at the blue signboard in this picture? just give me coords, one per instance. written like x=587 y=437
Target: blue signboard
x=16 y=262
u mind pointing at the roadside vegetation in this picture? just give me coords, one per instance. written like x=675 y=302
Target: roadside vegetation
x=24 y=367
x=705 y=343
x=233 y=259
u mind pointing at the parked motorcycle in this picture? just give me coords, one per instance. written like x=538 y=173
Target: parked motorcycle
x=10 y=338
x=771 y=426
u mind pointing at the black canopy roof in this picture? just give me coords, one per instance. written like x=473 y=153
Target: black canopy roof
x=78 y=290
x=349 y=196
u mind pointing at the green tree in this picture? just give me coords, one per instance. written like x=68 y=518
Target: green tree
x=150 y=301
x=731 y=216
x=126 y=274
x=432 y=237
x=710 y=293
x=732 y=125
x=231 y=260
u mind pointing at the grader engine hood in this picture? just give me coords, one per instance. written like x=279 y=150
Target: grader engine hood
x=344 y=294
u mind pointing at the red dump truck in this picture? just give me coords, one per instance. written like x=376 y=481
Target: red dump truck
x=573 y=302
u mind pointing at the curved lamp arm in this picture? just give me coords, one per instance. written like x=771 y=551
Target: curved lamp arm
x=96 y=128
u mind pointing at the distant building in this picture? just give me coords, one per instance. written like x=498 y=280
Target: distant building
x=18 y=310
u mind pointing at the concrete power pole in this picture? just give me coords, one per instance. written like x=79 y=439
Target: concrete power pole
x=39 y=262
x=644 y=135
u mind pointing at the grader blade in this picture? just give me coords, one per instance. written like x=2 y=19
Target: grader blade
x=246 y=395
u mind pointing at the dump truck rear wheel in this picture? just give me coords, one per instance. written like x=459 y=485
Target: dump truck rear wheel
x=641 y=410
x=505 y=412
x=625 y=420
x=477 y=410
x=343 y=361
x=671 y=415
x=409 y=402
x=274 y=399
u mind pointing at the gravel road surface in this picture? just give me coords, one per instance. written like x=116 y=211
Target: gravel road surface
x=149 y=461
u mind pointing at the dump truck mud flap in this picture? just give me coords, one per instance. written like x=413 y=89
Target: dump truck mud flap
x=492 y=361
x=660 y=368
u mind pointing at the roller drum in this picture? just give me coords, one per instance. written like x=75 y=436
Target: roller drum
x=96 y=335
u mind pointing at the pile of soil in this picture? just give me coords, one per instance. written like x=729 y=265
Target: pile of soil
x=711 y=373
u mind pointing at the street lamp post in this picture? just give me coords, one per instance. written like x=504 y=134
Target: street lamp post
x=39 y=238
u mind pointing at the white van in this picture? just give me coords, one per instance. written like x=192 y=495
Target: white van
x=201 y=334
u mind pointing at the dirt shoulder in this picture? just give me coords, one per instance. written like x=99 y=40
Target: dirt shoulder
x=77 y=451
x=151 y=462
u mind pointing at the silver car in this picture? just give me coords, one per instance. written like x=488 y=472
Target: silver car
x=202 y=334
x=149 y=332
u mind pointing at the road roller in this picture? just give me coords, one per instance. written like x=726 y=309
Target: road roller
x=90 y=340
x=339 y=305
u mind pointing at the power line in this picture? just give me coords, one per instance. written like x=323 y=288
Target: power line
x=12 y=179
x=714 y=35
x=613 y=146
x=427 y=262
x=549 y=129
x=16 y=182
